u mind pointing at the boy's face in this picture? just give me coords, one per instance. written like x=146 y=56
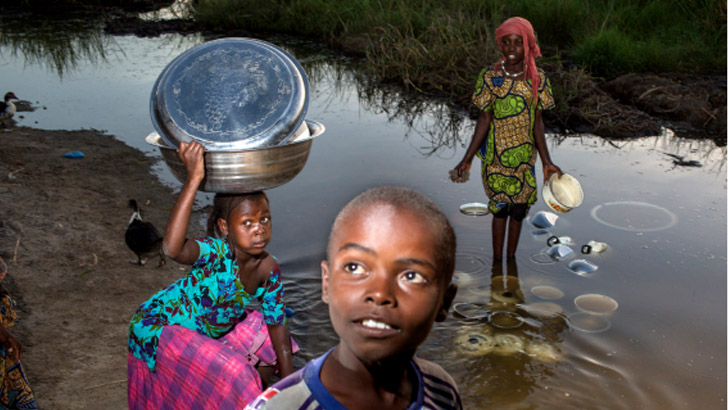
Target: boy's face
x=382 y=283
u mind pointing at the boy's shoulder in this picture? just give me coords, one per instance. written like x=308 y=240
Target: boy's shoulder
x=440 y=389
x=292 y=392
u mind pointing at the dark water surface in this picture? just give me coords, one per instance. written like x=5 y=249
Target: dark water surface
x=663 y=347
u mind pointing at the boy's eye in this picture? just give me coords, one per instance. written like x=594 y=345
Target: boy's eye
x=247 y=222
x=414 y=277
x=354 y=268
x=265 y=219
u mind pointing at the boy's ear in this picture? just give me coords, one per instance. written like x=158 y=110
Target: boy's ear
x=447 y=299
x=325 y=281
x=222 y=226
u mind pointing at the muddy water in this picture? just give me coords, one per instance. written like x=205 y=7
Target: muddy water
x=653 y=337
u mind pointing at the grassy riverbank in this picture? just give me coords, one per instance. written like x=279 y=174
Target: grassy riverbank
x=437 y=47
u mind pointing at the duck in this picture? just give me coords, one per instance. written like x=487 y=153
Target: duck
x=142 y=237
x=7 y=108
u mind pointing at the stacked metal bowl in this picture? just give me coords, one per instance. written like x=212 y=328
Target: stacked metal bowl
x=245 y=100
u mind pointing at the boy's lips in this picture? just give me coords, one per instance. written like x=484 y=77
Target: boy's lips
x=376 y=326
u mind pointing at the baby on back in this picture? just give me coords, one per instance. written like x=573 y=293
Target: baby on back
x=390 y=260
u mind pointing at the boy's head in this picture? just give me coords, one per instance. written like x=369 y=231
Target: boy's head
x=390 y=259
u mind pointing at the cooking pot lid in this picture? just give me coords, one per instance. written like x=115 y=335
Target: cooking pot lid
x=230 y=94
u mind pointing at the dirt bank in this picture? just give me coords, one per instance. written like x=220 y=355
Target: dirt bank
x=62 y=224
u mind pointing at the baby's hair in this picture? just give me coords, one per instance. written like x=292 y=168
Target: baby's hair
x=407 y=198
x=223 y=205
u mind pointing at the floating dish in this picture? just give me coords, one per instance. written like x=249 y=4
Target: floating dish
x=547 y=292
x=231 y=94
x=544 y=352
x=540 y=234
x=474 y=343
x=596 y=304
x=504 y=319
x=588 y=323
x=595 y=247
x=562 y=194
x=559 y=252
x=471 y=310
x=544 y=219
x=474 y=209
x=582 y=267
x=507 y=344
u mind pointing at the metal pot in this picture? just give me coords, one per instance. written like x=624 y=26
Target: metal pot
x=230 y=94
x=246 y=170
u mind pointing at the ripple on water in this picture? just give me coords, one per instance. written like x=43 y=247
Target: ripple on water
x=547 y=292
x=596 y=304
x=634 y=216
x=471 y=261
x=586 y=322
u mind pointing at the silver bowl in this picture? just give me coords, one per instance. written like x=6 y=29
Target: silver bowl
x=247 y=170
x=230 y=94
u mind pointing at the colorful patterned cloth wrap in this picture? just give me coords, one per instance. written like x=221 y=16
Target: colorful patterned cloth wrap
x=303 y=390
x=210 y=300
x=509 y=153
x=196 y=372
x=15 y=392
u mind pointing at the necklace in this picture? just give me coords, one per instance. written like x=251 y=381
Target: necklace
x=514 y=75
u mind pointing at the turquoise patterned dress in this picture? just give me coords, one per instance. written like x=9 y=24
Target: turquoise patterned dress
x=210 y=300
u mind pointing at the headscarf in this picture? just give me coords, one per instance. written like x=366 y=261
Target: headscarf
x=522 y=27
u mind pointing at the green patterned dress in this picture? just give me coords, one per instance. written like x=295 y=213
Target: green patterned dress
x=509 y=153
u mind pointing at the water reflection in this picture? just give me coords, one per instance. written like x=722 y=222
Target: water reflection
x=57 y=44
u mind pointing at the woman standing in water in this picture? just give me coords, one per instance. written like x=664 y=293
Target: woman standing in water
x=510 y=95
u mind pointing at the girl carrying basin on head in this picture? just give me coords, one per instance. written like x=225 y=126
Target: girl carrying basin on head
x=510 y=95
x=194 y=344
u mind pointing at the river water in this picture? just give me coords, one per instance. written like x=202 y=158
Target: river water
x=646 y=329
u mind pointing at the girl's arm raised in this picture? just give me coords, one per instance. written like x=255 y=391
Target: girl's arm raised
x=481 y=130
x=281 y=340
x=176 y=244
x=539 y=136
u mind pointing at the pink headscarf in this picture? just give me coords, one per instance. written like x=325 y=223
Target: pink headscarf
x=521 y=27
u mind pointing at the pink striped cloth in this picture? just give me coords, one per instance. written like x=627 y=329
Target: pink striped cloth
x=197 y=372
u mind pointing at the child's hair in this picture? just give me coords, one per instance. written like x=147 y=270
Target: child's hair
x=223 y=205
x=407 y=198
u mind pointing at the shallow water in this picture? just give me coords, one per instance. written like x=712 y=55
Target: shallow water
x=663 y=347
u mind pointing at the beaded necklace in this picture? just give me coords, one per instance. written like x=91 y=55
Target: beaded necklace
x=514 y=75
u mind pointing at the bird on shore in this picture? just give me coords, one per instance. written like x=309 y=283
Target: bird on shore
x=7 y=108
x=142 y=237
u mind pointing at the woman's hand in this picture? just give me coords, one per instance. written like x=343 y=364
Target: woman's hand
x=12 y=346
x=461 y=172
x=192 y=155
x=549 y=170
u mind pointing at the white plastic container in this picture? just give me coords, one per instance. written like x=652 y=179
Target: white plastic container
x=562 y=194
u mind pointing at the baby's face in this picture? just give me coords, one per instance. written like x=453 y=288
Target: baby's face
x=382 y=282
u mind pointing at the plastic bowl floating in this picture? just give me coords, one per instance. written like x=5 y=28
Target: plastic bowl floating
x=547 y=292
x=582 y=267
x=544 y=219
x=231 y=94
x=588 y=323
x=559 y=252
x=596 y=304
x=474 y=343
x=474 y=209
x=504 y=319
x=562 y=194
x=245 y=171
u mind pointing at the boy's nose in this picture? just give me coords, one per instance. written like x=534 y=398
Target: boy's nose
x=381 y=290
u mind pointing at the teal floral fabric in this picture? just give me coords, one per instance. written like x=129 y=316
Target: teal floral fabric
x=210 y=300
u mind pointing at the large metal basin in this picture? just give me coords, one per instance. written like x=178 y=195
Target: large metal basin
x=247 y=170
x=230 y=94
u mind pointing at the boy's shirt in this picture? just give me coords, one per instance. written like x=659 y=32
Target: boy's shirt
x=303 y=390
